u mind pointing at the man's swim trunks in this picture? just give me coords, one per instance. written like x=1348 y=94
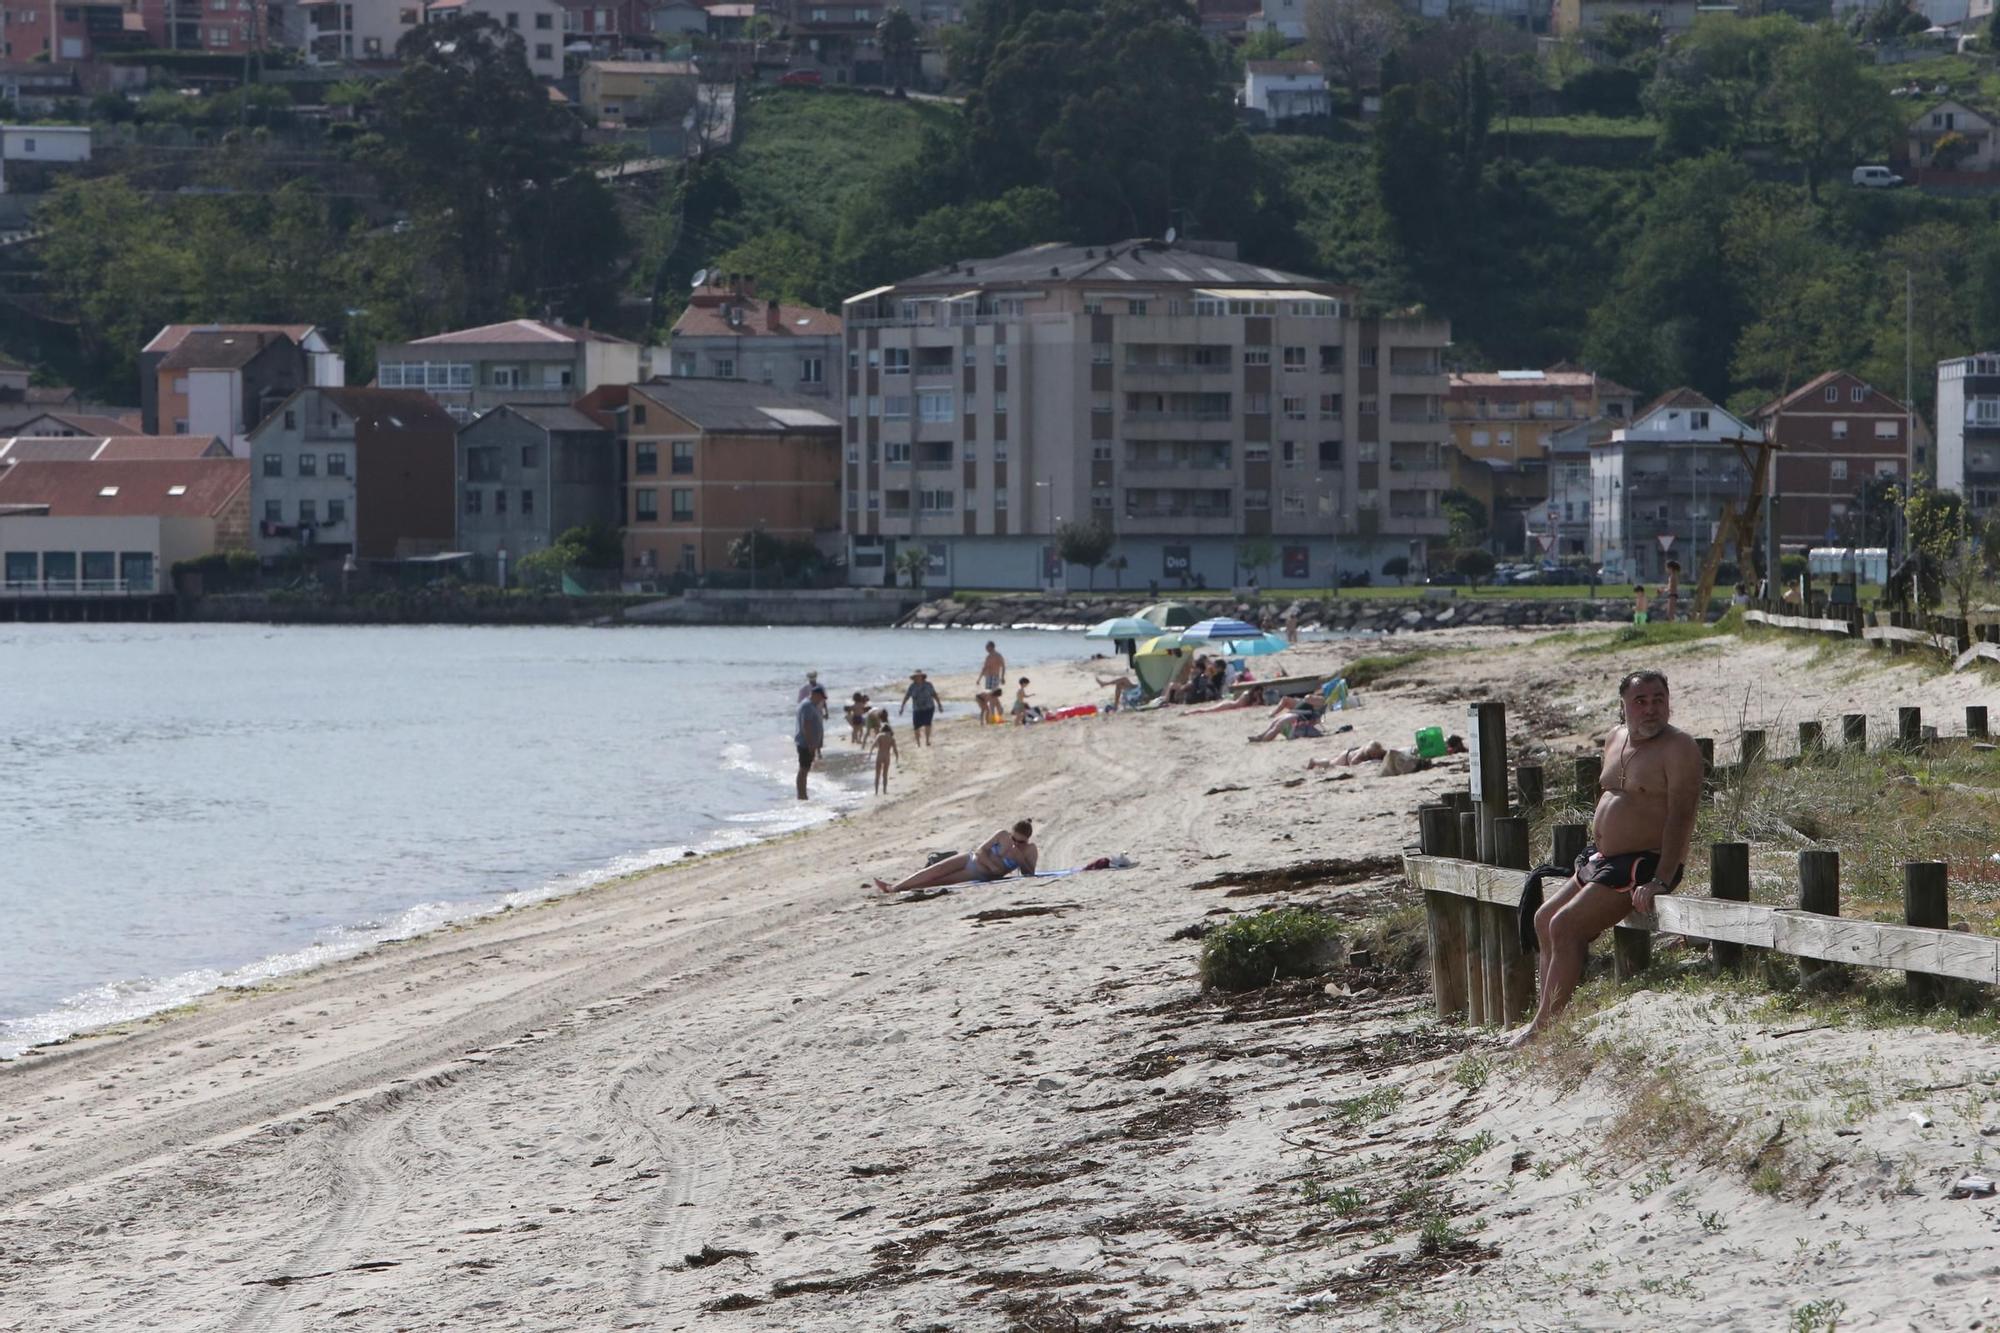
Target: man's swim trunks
x=1624 y=872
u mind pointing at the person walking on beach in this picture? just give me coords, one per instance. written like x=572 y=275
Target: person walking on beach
x=812 y=683
x=1639 y=604
x=810 y=733
x=922 y=698
x=857 y=715
x=1650 y=791
x=1021 y=704
x=1292 y=623
x=993 y=671
x=997 y=857
x=885 y=749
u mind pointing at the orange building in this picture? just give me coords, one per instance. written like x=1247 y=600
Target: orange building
x=709 y=460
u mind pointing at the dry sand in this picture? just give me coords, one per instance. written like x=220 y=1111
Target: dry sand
x=743 y=1093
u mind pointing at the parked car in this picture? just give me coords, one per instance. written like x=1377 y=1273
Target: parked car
x=1876 y=178
x=800 y=78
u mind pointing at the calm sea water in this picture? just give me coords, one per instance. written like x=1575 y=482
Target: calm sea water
x=188 y=806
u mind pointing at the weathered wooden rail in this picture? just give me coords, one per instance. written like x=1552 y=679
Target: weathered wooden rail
x=1963 y=641
x=1474 y=851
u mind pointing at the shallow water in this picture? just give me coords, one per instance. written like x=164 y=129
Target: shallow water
x=188 y=806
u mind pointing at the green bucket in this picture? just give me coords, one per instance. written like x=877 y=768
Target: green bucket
x=1430 y=742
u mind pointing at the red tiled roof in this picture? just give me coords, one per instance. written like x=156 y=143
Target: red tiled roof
x=796 y=321
x=158 y=448
x=167 y=339
x=1813 y=390
x=517 y=331
x=221 y=349
x=90 y=423
x=140 y=489
x=1681 y=397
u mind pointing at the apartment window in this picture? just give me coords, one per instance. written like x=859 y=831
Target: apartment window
x=1295 y=407
x=725 y=367
x=895 y=361
x=308 y=512
x=514 y=20
x=180 y=425
x=854 y=404
x=896 y=407
x=1100 y=354
x=1482 y=438
x=1256 y=453
x=308 y=465
x=1295 y=358
x=769 y=371
x=473 y=503
x=274 y=511
x=1256 y=356
x=1858 y=394
x=1367 y=407
x=683 y=506
x=1840 y=430
x=646 y=505
x=970 y=405
x=1257 y=404
x=336 y=465
x=1292 y=502
x=1885 y=467
x=854 y=500
x=1100 y=404
x=1329 y=407
x=274 y=465
x=934 y=406
x=683 y=460
x=1886 y=430
x=646 y=460
x=1288 y=453
x=1367 y=451
x=874 y=502
x=812 y=370
x=1832 y=393
x=999 y=451
x=1256 y=499
x=1329 y=453
x=999 y=404
x=937 y=502
x=1368 y=358
x=874 y=405
x=1836 y=469
x=527 y=502
x=531 y=455
x=336 y=512
x=180 y=384
x=1135 y=307
x=1093 y=306
x=999 y=354
x=893 y=452
x=638 y=414
x=291 y=419
x=874 y=357
x=999 y=500
x=1698 y=420
x=544 y=22
x=499 y=502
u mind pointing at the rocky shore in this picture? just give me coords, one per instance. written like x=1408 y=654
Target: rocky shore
x=1360 y=614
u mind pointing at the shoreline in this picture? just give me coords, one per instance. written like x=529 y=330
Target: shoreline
x=740 y=1092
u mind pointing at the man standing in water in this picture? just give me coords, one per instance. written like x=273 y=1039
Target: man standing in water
x=1650 y=791
x=993 y=671
x=923 y=697
x=810 y=733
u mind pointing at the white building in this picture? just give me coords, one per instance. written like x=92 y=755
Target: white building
x=1285 y=89
x=537 y=23
x=42 y=143
x=1961 y=123
x=1658 y=486
x=1287 y=18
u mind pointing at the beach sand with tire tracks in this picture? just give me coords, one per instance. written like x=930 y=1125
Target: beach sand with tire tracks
x=741 y=1091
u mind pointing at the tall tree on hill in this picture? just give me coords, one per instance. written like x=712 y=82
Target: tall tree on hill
x=1350 y=37
x=504 y=189
x=897 y=36
x=1829 y=106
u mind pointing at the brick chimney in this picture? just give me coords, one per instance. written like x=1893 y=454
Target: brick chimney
x=770 y=316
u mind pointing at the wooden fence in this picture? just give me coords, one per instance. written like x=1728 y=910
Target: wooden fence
x=1474 y=852
x=1964 y=641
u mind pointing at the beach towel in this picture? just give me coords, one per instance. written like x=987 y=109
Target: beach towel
x=1531 y=903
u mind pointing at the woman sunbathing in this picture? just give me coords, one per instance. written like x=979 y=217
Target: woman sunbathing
x=1250 y=698
x=1298 y=724
x=996 y=858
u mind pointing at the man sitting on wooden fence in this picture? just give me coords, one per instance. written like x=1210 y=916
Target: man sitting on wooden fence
x=1650 y=792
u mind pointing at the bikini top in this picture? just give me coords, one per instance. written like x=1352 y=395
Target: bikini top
x=999 y=850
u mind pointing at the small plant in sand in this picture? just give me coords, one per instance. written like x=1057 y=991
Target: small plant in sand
x=1436 y=1235
x=1472 y=1072
x=1820 y=1316
x=1254 y=951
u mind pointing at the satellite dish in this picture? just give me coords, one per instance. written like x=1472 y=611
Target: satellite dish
x=700 y=276
x=1173 y=234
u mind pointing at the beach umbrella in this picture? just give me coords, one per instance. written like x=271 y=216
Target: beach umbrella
x=1159 y=645
x=1124 y=627
x=1170 y=615
x=1257 y=647
x=1221 y=627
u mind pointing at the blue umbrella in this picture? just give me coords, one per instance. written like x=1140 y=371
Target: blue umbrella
x=1123 y=627
x=1222 y=627
x=1257 y=647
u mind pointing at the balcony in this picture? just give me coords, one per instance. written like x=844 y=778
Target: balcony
x=1410 y=477
x=1414 y=525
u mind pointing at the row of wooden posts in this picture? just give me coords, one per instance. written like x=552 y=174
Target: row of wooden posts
x=1480 y=972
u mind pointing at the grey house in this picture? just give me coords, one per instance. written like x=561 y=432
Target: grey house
x=526 y=475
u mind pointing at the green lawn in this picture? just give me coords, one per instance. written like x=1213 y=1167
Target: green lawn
x=1972 y=79
x=801 y=153
x=1637 y=128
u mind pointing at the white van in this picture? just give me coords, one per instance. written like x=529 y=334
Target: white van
x=1876 y=178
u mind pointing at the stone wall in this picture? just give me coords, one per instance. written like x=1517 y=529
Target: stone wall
x=1362 y=614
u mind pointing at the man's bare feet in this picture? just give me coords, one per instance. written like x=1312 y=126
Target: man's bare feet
x=1523 y=1037
x=885 y=886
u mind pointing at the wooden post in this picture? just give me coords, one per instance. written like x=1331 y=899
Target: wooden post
x=1854 y=730
x=1631 y=951
x=1472 y=920
x=1528 y=782
x=1925 y=903
x=1819 y=891
x=1447 y=940
x=1810 y=740
x=1488 y=730
x=1728 y=878
x=1749 y=748
x=1461 y=801
x=1468 y=836
x=1910 y=728
x=1517 y=965
x=1496 y=937
x=1437 y=830
x=1510 y=842
x=1706 y=744
x=1589 y=768
x=1566 y=843
x=1975 y=722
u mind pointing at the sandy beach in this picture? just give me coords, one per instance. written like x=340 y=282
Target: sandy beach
x=744 y=1092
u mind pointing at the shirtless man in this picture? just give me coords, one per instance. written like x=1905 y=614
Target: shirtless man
x=1651 y=790
x=995 y=858
x=993 y=671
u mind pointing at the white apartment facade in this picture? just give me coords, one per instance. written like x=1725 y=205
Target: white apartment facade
x=1191 y=401
x=1667 y=475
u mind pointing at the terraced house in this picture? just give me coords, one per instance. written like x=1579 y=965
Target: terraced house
x=1187 y=399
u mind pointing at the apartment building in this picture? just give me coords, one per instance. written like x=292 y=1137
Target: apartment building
x=80 y=527
x=1187 y=399
x=1503 y=424
x=520 y=361
x=537 y=24
x=167 y=398
x=1838 y=432
x=1659 y=485
x=1968 y=429
x=727 y=333
x=528 y=473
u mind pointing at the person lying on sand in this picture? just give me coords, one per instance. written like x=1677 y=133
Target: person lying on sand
x=1650 y=791
x=1118 y=685
x=1250 y=698
x=996 y=858
x=1301 y=723
x=1394 y=762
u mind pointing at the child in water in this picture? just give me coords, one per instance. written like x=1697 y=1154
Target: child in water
x=885 y=749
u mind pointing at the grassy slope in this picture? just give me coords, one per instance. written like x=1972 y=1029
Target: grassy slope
x=801 y=154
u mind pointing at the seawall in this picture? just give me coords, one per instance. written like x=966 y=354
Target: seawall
x=1359 y=614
